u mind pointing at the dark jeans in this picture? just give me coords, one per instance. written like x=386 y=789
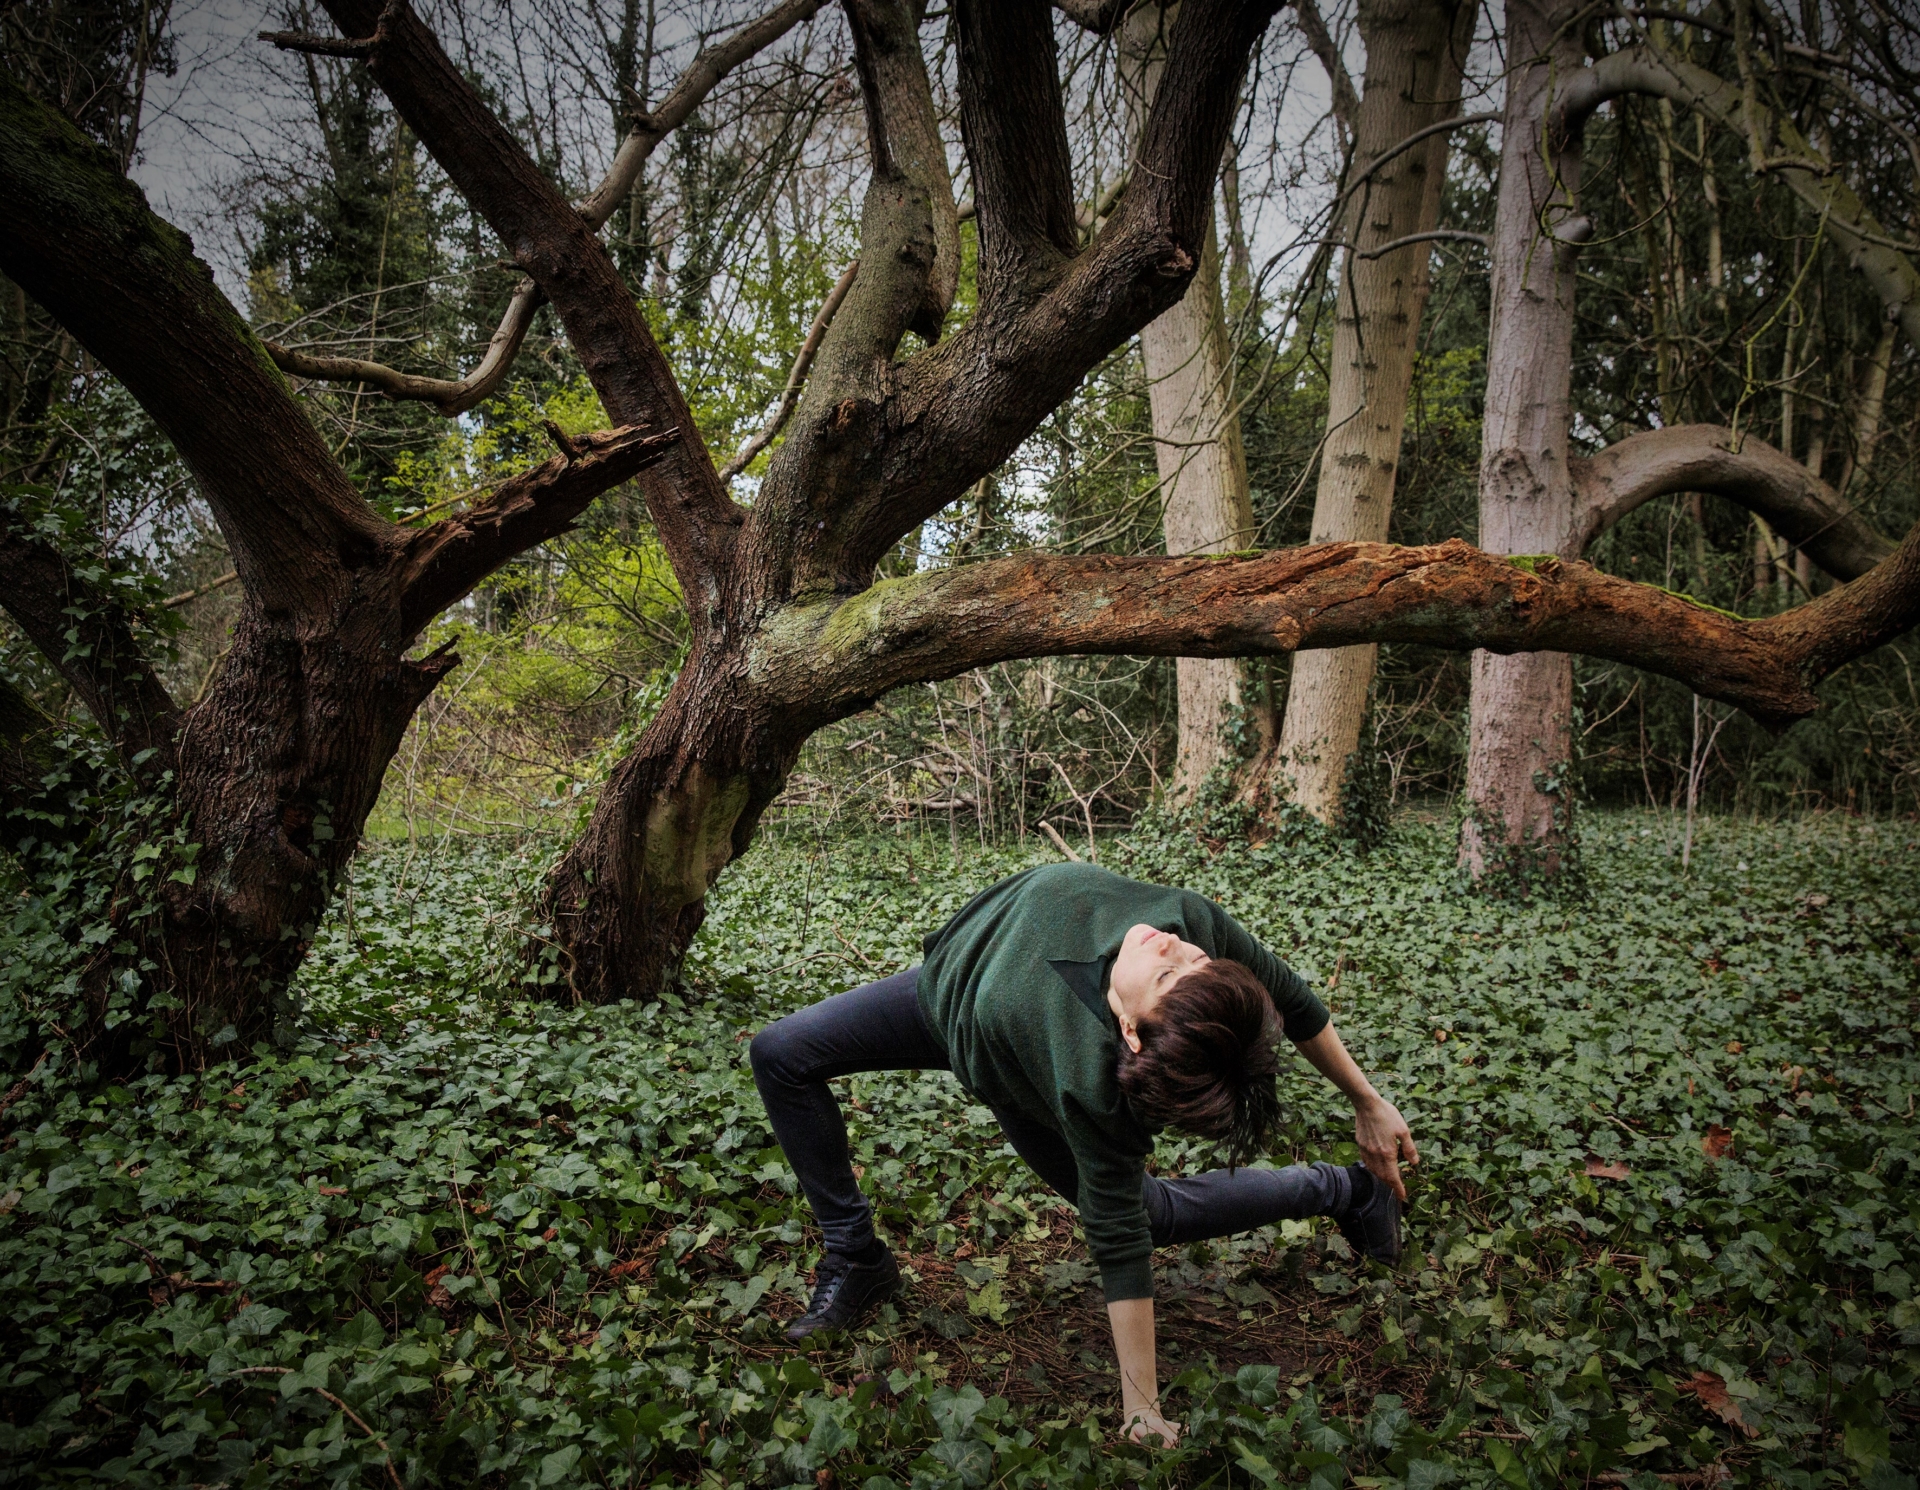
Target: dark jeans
x=880 y=1028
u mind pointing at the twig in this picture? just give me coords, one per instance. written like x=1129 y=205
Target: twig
x=1460 y=121
x=1058 y=842
x=338 y=46
x=1438 y=235
x=796 y=379
x=456 y=396
x=358 y=1421
x=186 y=597
x=851 y=947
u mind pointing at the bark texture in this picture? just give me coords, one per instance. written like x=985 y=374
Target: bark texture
x=1206 y=507
x=275 y=767
x=1522 y=706
x=837 y=652
x=1415 y=52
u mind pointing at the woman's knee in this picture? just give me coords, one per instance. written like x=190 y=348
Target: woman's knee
x=770 y=1051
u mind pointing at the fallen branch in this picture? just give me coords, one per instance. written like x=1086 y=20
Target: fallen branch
x=936 y=624
x=1058 y=842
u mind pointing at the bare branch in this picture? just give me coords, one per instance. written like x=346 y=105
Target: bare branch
x=335 y=46
x=959 y=410
x=563 y=254
x=447 y=559
x=88 y=638
x=1014 y=124
x=1869 y=246
x=1460 y=121
x=456 y=396
x=1436 y=235
x=449 y=396
x=796 y=379
x=943 y=622
x=82 y=241
x=909 y=271
x=187 y=597
x=1346 y=100
x=1749 y=471
x=909 y=233
x=700 y=79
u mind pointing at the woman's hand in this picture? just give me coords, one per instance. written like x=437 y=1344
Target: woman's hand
x=1384 y=1141
x=1377 y=1125
x=1145 y=1425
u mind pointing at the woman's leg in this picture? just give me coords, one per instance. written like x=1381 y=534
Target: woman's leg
x=875 y=1028
x=1222 y=1202
x=1218 y=1203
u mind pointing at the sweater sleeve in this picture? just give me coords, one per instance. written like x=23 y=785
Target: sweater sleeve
x=1113 y=1209
x=1300 y=1010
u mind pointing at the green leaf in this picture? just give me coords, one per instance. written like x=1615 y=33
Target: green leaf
x=1507 y=1465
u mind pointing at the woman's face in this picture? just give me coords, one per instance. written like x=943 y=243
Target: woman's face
x=1150 y=962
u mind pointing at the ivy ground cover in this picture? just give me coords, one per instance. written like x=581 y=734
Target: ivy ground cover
x=1663 y=1232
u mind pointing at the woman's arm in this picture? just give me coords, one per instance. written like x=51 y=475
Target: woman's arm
x=1377 y=1125
x=1133 y=1348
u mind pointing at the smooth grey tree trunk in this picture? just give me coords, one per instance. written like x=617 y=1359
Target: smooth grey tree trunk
x=1415 y=51
x=1521 y=711
x=1207 y=508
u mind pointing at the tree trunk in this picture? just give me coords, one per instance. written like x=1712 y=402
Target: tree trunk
x=630 y=893
x=1522 y=706
x=1206 y=506
x=252 y=798
x=792 y=630
x=1203 y=479
x=1415 y=52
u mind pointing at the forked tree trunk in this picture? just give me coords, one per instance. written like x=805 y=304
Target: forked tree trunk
x=259 y=789
x=1206 y=506
x=1415 y=53
x=1519 y=802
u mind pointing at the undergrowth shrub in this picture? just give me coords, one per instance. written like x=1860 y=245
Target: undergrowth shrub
x=1661 y=1226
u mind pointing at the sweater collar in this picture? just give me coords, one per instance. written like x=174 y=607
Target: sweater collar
x=1088 y=980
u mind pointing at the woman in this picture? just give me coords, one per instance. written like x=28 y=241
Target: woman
x=1087 y=1011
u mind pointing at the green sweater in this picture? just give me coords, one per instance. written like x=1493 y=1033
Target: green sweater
x=1016 y=987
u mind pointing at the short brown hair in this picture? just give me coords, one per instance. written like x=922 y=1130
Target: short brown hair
x=1208 y=1058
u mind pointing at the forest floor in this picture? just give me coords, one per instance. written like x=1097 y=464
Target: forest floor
x=1661 y=1234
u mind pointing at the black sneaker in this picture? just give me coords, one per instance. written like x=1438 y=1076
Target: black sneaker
x=843 y=1292
x=1371 y=1221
